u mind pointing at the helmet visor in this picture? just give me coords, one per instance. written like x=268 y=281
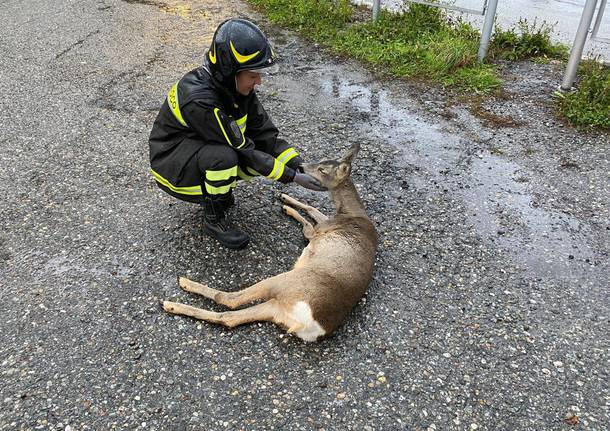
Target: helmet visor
x=269 y=70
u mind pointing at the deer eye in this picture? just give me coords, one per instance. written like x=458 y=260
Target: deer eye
x=322 y=170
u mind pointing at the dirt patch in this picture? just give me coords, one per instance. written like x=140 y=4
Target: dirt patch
x=489 y=118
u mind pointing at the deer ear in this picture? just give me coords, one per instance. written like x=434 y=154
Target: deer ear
x=351 y=154
x=343 y=170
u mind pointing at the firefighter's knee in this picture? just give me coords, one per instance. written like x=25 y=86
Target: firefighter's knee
x=216 y=157
x=218 y=165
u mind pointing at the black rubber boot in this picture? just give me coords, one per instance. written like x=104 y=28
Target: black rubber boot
x=217 y=225
x=230 y=202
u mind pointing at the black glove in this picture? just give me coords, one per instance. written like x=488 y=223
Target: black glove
x=308 y=182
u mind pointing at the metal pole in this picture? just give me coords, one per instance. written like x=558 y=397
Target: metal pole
x=450 y=7
x=579 y=43
x=598 y=20
x=376 y=6
x=490 y=15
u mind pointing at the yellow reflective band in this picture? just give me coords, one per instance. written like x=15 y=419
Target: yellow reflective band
x=243 y=142
x=253 y=172
x=223 y=174
x=192 y=190
x=219 y=190
x=172 y=101
x=242 y=58
x=244 y=176
x=278 y=170
x=287 y=155
x=282 y=166
x=212 y=56
x=242 y=123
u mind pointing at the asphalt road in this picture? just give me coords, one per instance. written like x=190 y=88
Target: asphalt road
x=489 y=307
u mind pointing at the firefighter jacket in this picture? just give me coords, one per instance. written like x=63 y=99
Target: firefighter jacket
x=198 y=111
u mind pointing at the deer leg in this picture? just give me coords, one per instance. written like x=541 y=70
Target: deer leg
x=260 y=290
x=314 y=213
x=308 y=228
x=267 y=311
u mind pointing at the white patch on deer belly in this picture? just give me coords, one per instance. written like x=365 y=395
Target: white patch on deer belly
x=310 y=330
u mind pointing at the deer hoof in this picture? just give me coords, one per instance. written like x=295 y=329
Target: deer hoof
x=183 y=282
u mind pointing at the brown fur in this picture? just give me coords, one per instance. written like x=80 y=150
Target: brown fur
x=330 y=276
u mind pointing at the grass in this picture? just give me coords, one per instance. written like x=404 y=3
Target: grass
x=420 y=43
x=424 y=43
x=526 y=41
x=589 y=104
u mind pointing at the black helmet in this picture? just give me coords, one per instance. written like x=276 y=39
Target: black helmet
x=238 y=45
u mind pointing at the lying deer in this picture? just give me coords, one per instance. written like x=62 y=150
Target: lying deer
x=327 y=280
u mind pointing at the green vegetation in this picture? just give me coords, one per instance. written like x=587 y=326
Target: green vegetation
x=589 y=105
x=419 y=43
x=425 y=43
x=526 y=41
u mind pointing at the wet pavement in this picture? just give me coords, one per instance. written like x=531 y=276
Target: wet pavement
x=489 y=307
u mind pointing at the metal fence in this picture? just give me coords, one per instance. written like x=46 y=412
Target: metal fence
x=584 y=28
x=488 y=10
x=598 y=21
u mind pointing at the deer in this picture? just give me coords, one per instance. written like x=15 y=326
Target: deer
x=327 y=280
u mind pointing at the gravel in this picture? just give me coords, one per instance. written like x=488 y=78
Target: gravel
x=489 y=307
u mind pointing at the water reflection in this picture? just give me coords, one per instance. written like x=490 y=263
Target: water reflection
x=498 y=203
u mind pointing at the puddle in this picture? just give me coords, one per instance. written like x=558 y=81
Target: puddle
x=422 y=144
x=491 y=187
x=173 y=7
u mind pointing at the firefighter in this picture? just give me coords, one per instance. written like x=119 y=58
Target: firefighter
x=212 y=131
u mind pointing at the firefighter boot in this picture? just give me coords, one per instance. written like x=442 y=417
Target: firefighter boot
x=217 y=225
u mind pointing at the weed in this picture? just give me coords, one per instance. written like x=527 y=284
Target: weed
x=421 y=42
x=526 y=41
x=424 y=43
x=589 y=104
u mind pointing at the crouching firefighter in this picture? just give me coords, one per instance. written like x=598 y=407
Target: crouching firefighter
x=212 y=130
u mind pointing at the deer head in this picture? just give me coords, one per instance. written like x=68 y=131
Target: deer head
x=332 y=173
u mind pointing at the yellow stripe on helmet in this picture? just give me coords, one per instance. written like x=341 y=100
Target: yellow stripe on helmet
x=242 y=58
x=212 y=56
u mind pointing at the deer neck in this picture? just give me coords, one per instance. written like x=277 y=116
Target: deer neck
x=346 y=199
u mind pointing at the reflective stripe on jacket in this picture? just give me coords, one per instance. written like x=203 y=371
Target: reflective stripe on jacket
x=198 y=111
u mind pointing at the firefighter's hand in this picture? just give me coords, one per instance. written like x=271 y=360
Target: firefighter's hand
x=308 y=182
